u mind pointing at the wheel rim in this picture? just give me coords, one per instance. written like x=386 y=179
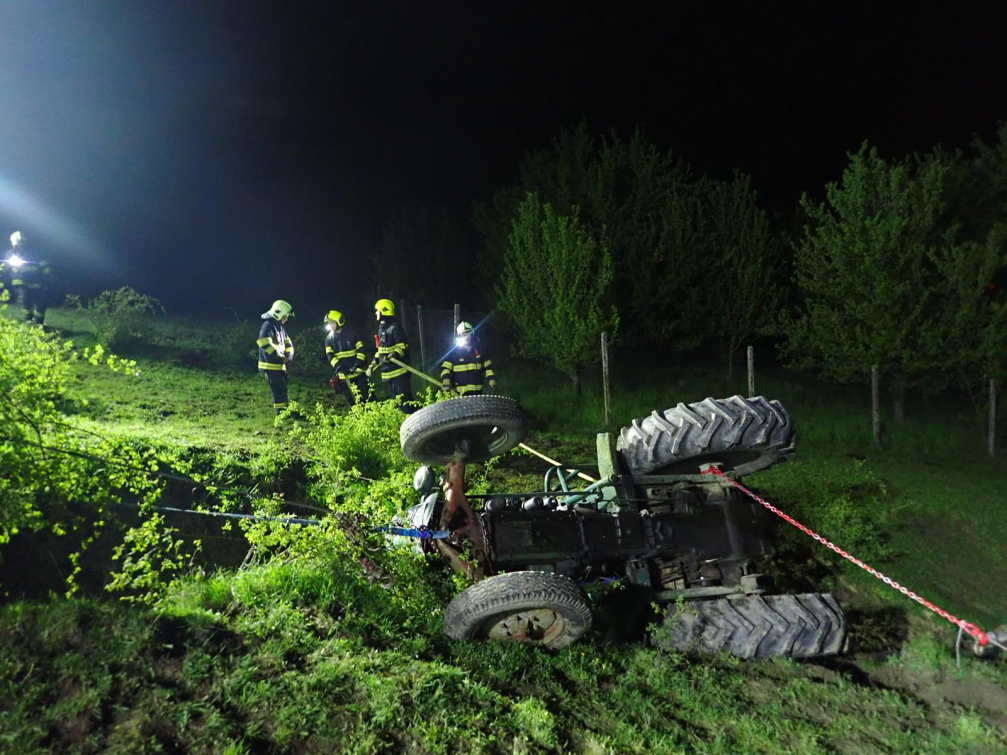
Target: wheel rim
x=539 y=626
x=483 y=441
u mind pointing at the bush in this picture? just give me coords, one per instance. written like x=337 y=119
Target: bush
x=45 y=462
x=120 y=318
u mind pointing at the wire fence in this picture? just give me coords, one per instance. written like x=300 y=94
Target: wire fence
x=431 y=332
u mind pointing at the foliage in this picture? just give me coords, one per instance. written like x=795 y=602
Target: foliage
x=638 y=203
x=48 y=464
x=301 y=650
x=119 y=318
x=556 y=288
x=744 y=264
x=151 y=556
x=865 y=269
x=424 y=256
x=981 y=278
x=974 y=315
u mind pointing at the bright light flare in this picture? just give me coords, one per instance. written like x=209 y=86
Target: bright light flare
x=15 y=261
x=49 y=222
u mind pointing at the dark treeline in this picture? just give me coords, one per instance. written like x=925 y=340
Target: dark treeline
x=901 y=263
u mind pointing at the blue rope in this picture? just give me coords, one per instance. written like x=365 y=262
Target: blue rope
x=423 y=533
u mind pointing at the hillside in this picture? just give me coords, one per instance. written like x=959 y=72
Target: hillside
x=292 y=648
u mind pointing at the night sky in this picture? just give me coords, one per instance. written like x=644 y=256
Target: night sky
x=226 y=154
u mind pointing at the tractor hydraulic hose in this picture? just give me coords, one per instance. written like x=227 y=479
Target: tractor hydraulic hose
x=555 y=463
x=603 y=482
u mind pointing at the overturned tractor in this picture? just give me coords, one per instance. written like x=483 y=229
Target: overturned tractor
x=652 y=523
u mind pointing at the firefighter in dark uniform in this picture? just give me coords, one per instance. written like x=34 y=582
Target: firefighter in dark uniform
x=276 y=351
x=391 y=342
x=26 y=278
x=467 y=369
x=345 y=352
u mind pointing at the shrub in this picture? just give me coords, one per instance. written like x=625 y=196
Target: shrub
x=120 y=318
x=45 y=462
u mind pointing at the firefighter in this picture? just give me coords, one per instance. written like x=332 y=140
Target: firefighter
x=467 y=367
x=276 y=351
x=27 y=279
x=391 y=343
x=345 y=352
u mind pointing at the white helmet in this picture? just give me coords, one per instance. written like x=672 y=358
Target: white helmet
x=463 y=328
x=279 y=309
x=16 y=238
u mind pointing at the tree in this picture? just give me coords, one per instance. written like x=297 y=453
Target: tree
x=865 y=269
x=973 y=313
x=977 y=270
x=425 y=255
x=636 y=201
x=554 y=288
x=746 y=264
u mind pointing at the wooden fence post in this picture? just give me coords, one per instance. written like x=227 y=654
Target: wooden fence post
x=605 y=382
x=458 y=319
x=423 y=343
x=991 y=439
x=751 y=372
x=875 y=409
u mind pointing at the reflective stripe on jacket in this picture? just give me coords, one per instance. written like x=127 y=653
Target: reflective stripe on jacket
x=391 y=343
x=275 y=346
x=465 y=369
x=345 y=352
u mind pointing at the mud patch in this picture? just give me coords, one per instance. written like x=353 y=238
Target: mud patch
x=983 y=696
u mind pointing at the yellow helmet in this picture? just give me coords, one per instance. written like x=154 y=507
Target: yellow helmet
x=337 y=317
x=464 y=328
x=279 y=309
x=385 y=307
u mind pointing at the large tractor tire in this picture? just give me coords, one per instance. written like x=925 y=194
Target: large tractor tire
x=756 y=626
x=479 y=426
x=539 y=608
x=743 y=435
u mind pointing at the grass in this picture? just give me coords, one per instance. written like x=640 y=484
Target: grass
x=303 y=654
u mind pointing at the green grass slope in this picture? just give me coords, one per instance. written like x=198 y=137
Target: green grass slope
x=303 y=653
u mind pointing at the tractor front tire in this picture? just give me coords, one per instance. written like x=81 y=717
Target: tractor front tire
x=535 y=607
x=742 y=435
x=486 y=426
x=757 y=626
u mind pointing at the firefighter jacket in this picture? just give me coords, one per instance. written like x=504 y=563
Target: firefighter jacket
x=345 y=352
x=275 y=346
x=466 y=367
x=28 y=273
x=391 y=340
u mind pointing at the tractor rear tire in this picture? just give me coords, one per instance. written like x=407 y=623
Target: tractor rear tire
x=743 y=435
x=535 y=607
x=488 y=425
x=757 y=626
